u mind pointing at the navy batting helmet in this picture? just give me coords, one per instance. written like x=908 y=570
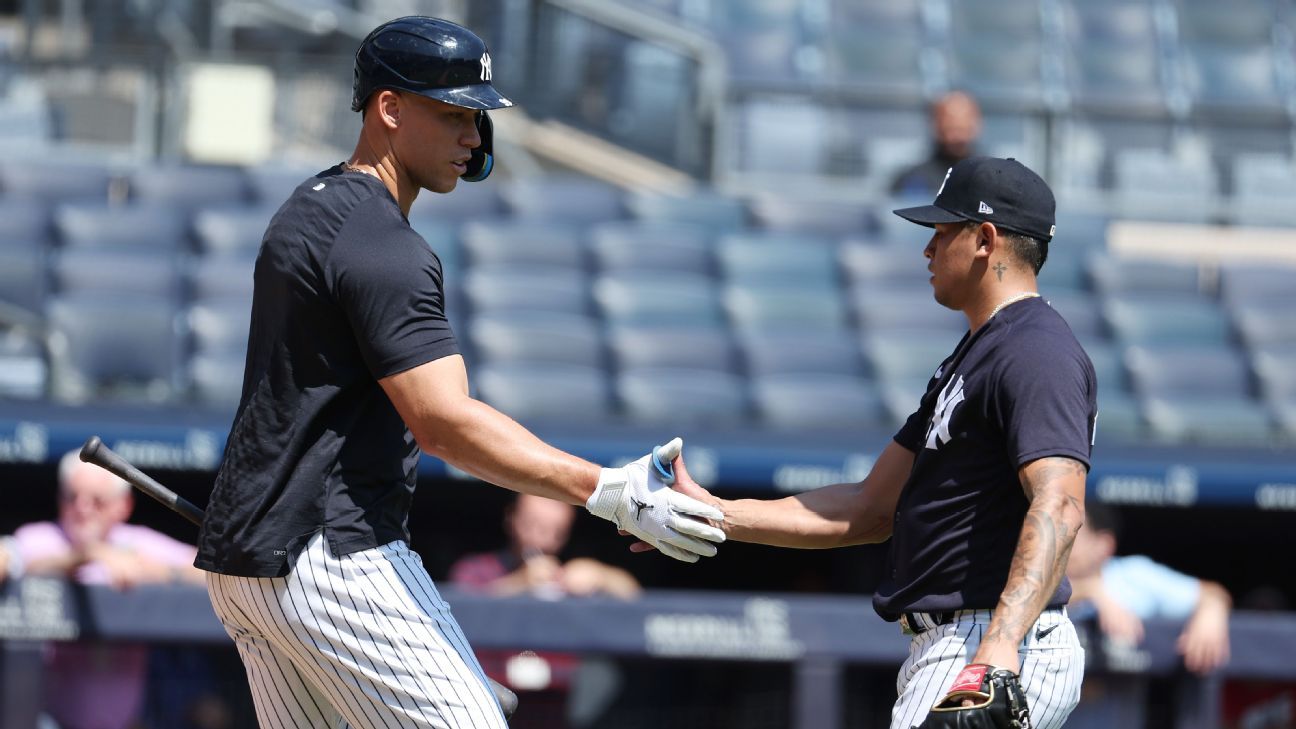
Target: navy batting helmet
x=437 y=59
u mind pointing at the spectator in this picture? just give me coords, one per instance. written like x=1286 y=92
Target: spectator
x=563 y=689
x=956 y=126
x=1125 y=591
x=98 y=685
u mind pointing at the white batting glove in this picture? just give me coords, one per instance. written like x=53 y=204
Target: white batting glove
x=637 y=497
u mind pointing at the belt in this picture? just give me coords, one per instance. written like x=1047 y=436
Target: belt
x=919 y=623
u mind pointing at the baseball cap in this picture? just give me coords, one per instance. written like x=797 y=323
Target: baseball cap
x=993 y=190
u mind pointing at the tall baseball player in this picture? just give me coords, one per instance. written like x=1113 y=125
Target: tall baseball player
x=981 y=492
x=351 y=369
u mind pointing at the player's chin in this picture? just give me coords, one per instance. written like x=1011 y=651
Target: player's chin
x=444 y=184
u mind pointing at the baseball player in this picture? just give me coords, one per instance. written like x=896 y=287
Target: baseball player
x=981 y=492
x=352 y=369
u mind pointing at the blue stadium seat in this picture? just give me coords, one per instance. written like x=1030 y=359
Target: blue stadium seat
x=216 y=277
x=189 y=186
x=1065 y=271
x=219 y=326
x=1007 y=74
x=682 y=396
x=1188 y=370
x=1120 y=418
x=801 y=352
x=1275 y=367
x=231 y=230
x=905 y=354
x=764 y=145
x=705 y=207
x=1005 y=21
x=443 y=238
x=523 y=242
x=884 y=306
x=1085 y=22
x=1157 y=185
x=893 y=265
x=1109 y=367
x=658 y=299
x=652 y=246
x=108 y=346
x=1167 y=319
x=270 y=185
x=475 y=201
x=88 y=270
x=1081 y=313
x=1253 y=284
x=1285 y=415
x=783 y=259
x=22 y=274
x=531 y=390
x=781 y=212
x=1114 y=275
x=688 y=346
x=531 y=336
x=800 y=308
x=216 y=378
x=23 y=221
x=1235 y=81
x=24 y=374
x=817 y=402
x=1261 y=181
x=1263 y=324
x=1079 y=230
x=1238 y=23
x=884 y=63
x=55 y=182
x=1106 y=76
x=1209 y=420
x=559 y=198
x=525 y=288
x=144 y=227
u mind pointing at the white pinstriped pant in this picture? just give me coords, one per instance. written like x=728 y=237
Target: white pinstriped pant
x=1052 y=666
x=358 y=641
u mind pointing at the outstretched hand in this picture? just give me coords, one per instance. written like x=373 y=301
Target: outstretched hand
x=682 y=482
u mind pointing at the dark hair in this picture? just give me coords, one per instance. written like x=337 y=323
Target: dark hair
x=1031 y=251
x=1100 y=517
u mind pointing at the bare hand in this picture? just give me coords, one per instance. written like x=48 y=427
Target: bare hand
x=1204 y=641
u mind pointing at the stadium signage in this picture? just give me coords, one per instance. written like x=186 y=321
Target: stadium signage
x=761 y=632
x=1177 y=488
x=28 y=444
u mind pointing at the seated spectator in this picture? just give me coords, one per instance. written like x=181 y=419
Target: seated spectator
x=955 y=126
x=98 y=685
x=561 y=688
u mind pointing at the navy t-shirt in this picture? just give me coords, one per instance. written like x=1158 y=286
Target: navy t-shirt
x=1018 y=389
x=345 y=293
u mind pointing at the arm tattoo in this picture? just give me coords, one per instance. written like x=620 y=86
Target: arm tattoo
x=1040 y=561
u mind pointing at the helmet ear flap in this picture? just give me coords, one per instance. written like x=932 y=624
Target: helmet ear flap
x=483 y=157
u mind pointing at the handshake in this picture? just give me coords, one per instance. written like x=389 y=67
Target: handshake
x=638 y=498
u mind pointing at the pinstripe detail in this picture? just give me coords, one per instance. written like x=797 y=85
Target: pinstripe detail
x=1051 y=669
x=363 y=638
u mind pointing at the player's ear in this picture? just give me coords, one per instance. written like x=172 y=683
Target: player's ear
x=389 y=107
x=987 y=239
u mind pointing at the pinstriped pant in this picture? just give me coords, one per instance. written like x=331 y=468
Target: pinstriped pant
x=358 y=641
x=1052 y=667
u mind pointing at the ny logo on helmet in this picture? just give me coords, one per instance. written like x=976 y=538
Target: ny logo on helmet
x=485 y=67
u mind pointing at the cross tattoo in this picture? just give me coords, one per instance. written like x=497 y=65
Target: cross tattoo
x=999 y=269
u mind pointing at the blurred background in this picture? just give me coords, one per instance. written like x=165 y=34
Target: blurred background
x=687 y=233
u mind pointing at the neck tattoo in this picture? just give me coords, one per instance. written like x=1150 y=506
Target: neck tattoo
x=1011 y=300
x=999 y=269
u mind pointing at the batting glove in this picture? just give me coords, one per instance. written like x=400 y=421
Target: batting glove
x=637 y=497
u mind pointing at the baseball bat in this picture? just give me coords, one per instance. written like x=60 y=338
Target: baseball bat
x=94 y=451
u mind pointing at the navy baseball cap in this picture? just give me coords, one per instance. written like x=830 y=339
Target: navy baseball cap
x=992 y=190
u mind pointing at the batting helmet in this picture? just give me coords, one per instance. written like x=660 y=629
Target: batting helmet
x=437 y=59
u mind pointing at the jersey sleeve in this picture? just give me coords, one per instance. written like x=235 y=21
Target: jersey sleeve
x=1047 y=403
x=388 y=283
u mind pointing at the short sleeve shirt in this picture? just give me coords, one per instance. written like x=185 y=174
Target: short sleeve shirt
x=1018 y=389
x=1150 y=590
x=345 y=294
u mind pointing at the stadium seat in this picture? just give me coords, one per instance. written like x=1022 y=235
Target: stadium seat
x=188 y=186
x=1066 y=270
x=1106 y=76
x=800 y=308
x=476 y=201
x=784 y=259
x=89 y=270
x=527 y=390
x=1255 y=284
x=1262 y=324
x=51 y=183
x=216 y=378
x=523 y=243
x=1157 y=185
x=219 y=326
x=23 y=221
x=893 y=265
x=781 y=212
x=269 y=185
x=1007 y=22
x=24 y=373
x=780 y=352
x=231 y=230
x=532 y=336
x=1109 y=367
x=1006 y=74
x=1114 y=275
x=1261 y=185
x=1275 y=371
x=1079 y=230
x=689 y=347
x=766 y=147
x=144 y=227
x=1188 y=371
x=1110 y=21
x=682 y=396
x=562 y=199
x=525 y=288
x=1081 y=312
x=22 y=274
x=652 y=246
x=1120 y=419
x=817 y=402
x=659 y=299
x=1238 y=23
x=706 y=208
x=883 y=63
x=216 y=277
x=884 y=306
x=109 y=346
x=1166 y=319
x=1235 y=81
x=1209 y=420
x=443 y=238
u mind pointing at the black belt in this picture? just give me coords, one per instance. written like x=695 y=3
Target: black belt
x=911 y=625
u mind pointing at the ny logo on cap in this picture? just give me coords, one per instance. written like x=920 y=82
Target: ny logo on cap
x=942 y=187
x=985 y=209
x=485 y=67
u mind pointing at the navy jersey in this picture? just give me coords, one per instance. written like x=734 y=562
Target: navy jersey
x=345 y=293
x=1018 y=389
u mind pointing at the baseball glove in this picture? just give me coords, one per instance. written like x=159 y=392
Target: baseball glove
x=998 y=701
